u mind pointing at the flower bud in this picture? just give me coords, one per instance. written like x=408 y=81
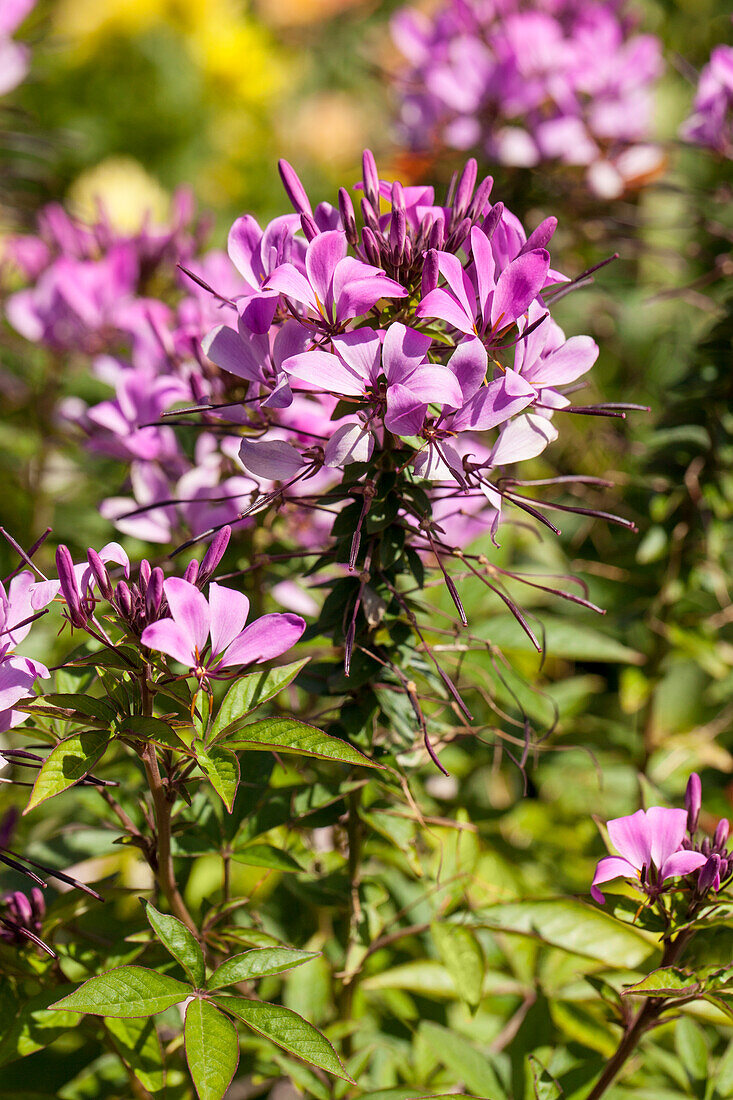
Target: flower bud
x=348 y=220
x=721 y=833
x=309 y=227
x=397 y=233
x=192 y=572
x=398 y=197
x=370 y=178
x=492 y=219
x=100 y=573
x=464 y=189
x=430 y=272
x=437 y=234
x=294 y=188
x=709 y=875
x=693 y=801
x=21 y=907
x=458 y=236
x=480 y=199
x=69 y=587
x=123 y=599
x=371 y=247
x=144 y=576
x=369 y=216
x=38 y=903
x=154 y=593
x=214 y=553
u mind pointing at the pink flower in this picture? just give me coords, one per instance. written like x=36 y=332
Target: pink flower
x=649 y=843
x=209 y=635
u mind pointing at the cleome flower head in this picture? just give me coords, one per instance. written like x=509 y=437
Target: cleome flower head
x=208 y=636
x=649 y=844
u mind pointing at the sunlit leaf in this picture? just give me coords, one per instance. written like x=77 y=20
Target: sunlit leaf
x=125 y=992
x=71 y=760
x=258 y=963
x=288 y=736
x=212 y=1049
x=181 y=943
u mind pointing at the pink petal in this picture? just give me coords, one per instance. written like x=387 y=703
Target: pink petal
x=667 y=828
x=229 y=610
x=359 y=295
x=576 y=356
x=434 y=384
x=458 y=281
x=495 y=403
x=518 y=285
x=484 y=266
x=631 y=836
x=404 y=348
x=321 y=258
x=267 y=637
x=287 y=280
x=190 y=611
x=469 y=362
x=349 y=443
x=167 y=637
x=609 y=868
x=405 y=411
x=243 y=246
x=227 y=349
x=681 y=863
x=360 y=350
x=439 y=303
x=526 y=437
x=325 y=371
x=271 y=458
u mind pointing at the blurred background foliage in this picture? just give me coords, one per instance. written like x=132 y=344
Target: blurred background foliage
x=129 y=99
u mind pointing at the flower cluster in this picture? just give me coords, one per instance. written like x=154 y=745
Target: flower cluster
x=554 y=80
x=22 y=600
x=14 y=56
x=112 y=298
x=398 y=345
x=711 y=121
x=659 y=844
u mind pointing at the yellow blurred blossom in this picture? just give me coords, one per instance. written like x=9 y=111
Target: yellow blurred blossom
x=127 y=192
x=292 y=13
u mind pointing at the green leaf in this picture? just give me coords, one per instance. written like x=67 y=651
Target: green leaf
x=250 y=692
x=544 y=1084
x=572 y=640
x=579 y=928
x=462 y=957
x=265 y=855
x=464 y=1061
x=212 y=1049
x=288 y=1030
x=692 y=1048
x=724 y=1076
x=31 y=1026
x=127 y=991
x=138 y=1045
x=666 y=982
x=71 y=760
x=99 y=709
x=287 y=735
x=221 y=767
x=181 y=943
x=255 y=964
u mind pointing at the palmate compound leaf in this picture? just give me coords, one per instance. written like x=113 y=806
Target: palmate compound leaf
x=258 y=963
x=125 y=992
x=212 y=1049
x=288 y=736
x=71 y=760
x=181 y=943
x=288 y=1030
x=249 y=692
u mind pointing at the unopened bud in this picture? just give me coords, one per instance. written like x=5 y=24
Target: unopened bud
x=721 y=833
x=144 y=576
x=476 y=209
x=693 y=801
x=294 y=188
x=192 y=572
x=309 y=227
x=100 y=573
x=214 y=553
x=398 y=196
x=709 y=875
x=437 y=234
x=348 y=219
x=430 y=272
x=123 y=599
x=154 y=594
x=370 y=178
x=492 y=219
x=397 y=233
x=371 y=247
x=464 y=189
x=69 y=588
